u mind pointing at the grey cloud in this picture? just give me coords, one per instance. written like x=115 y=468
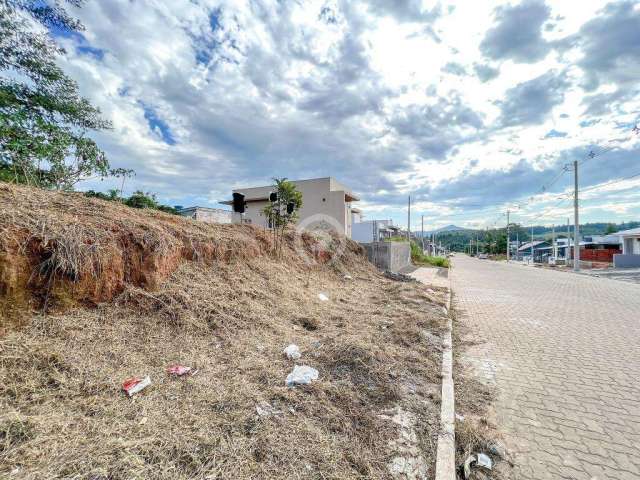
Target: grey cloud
x=454 y=68
x=346 y=88
x=405 y=10
x=605 y=103
x=485 y=72
x=491 y=188
x=530 y=102
x=517 y=33
x=436 y=129
x=611 y=45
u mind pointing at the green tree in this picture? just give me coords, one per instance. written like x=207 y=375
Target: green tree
x=611 y=228
x=277 y=213
x=43 y=119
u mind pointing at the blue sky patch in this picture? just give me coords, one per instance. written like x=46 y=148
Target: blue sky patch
x=158 y=125
x=553 y=133
x=81 y=43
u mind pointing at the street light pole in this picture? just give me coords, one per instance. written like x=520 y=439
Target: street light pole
x=576 y=227
x=532 y=259
x=508 y=249
x=409 y=220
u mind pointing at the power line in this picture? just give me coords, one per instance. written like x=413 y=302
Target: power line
x=545 y=187
x=613 y=182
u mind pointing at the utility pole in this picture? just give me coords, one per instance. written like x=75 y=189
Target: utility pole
x=422 y=234
x=576 y=227
x=508 y=249
x=532 y=261
x=553 y=241
x=567 y=254
x=409 y=220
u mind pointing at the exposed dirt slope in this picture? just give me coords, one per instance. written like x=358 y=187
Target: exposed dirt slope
x=131 y=292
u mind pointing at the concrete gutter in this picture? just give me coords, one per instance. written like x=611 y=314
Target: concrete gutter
x=446 y=453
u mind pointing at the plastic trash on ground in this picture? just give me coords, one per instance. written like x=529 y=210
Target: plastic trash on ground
x=265 y=409
x=348 y=277
x=323 y=297
x=484 y=461
x=179 y=370
x=292 y=352
x=301 y=375
x=133 y=385
x=480 y=460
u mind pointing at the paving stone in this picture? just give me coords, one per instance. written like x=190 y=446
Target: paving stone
x=562 y=350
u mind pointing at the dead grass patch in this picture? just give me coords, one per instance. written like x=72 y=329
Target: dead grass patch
x=225 y=306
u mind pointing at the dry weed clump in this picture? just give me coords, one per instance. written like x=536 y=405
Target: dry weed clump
x=62 y=249
x=223 y=305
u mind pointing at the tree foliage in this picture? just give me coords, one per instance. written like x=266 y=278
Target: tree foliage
x=138 y=199
x=44 y=121
x=277 y=213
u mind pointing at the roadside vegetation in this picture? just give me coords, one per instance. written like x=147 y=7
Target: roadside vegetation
x=419 y=258
x=138 y=199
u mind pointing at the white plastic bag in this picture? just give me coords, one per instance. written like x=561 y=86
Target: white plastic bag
x=292 y=352
x=301 y=375
x=323 y=297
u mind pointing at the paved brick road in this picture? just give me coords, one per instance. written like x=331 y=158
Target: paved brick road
x=564 y=352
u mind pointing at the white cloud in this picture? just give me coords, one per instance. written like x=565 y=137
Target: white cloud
x=389 y=97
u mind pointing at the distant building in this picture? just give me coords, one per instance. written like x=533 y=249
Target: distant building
x=630 y=256
x=540 y=249
x=208 y=215
x=324 y=201
x=373 y=230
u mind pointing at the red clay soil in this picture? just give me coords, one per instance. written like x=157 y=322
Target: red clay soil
x=62 y=249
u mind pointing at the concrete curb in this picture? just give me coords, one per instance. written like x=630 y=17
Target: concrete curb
x=446 y=453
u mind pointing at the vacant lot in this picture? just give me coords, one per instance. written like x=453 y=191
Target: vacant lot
x=129 y=293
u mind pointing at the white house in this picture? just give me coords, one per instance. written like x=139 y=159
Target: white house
x=371 y=230
x=630 y=256
x=324 y=201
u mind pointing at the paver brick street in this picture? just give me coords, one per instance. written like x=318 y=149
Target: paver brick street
x=563 y=351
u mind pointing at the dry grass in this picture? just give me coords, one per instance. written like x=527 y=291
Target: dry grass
x=376 y=344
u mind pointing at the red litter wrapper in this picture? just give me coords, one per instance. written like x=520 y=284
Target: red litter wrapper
x=134 y=385
x=178 y=370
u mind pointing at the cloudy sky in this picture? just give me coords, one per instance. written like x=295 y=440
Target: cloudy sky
x=471 y=107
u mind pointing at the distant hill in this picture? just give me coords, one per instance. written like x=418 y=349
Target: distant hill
x=456 y=238
x=448 y=228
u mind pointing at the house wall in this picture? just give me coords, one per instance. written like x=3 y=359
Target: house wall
x=631 y=246
x=317 y=201
x=393 y=256
x=362 y=232
x=598 y=255
x=209 y=215
x=626 y=261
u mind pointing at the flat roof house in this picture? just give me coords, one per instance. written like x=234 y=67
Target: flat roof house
x=630 y=256
x=323 y=200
